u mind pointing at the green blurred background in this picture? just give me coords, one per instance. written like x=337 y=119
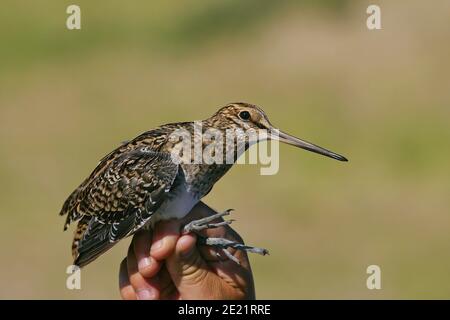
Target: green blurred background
x=382 y=98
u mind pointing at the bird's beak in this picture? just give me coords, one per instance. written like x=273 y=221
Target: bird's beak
x=286 y=138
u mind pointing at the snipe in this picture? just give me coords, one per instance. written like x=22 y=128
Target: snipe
x=139 y=183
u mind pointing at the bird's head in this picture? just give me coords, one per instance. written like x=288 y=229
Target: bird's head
x=245 y=116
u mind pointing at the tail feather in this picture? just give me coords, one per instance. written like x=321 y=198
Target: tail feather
x=93 y=238
x=84 y=258
x=90 y=241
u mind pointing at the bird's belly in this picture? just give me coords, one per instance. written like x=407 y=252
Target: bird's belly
x=178 y=206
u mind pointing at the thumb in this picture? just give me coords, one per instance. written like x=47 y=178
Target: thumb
x=190 y=272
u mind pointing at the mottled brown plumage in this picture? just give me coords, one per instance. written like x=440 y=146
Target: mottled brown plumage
x=139 y=183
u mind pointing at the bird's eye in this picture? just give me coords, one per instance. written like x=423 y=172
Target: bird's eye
x=244 y=115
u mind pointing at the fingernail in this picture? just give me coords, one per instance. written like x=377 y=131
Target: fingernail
x=146 y=294
x=144 y=263
x=158 y=244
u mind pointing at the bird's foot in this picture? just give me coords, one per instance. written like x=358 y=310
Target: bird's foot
x=221 y=243
x=224 y=244
x=205 y=223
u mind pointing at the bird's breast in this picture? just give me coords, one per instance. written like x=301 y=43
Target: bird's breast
x=200 y=178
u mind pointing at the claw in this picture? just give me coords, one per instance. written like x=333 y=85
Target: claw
x=225 y=243
x=206 y=223
x=230 y=256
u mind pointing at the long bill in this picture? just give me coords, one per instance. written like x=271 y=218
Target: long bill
x=286 y=138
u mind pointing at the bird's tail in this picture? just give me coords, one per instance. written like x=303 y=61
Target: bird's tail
x=89 y=241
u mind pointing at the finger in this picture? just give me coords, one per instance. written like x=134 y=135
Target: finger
x=145 y=288
x=126 y=289
x=167 y=287
x=165 y=236
x=241 y=255
x=238 y=275
x=190 y=273
x=225 y=232
x=147 y=265
x=217 y=259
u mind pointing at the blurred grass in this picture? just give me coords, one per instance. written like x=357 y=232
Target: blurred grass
x=381 y=98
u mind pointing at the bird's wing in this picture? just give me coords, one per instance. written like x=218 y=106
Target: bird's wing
x=120 y=200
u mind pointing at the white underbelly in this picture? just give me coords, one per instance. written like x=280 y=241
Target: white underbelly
x=178 y=207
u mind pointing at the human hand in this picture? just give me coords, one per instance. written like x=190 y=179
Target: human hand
x=166 y=264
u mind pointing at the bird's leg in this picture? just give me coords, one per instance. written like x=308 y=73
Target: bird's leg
x=205 y=223
x=222 y=243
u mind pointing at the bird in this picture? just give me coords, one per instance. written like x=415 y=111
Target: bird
x=155 y=177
